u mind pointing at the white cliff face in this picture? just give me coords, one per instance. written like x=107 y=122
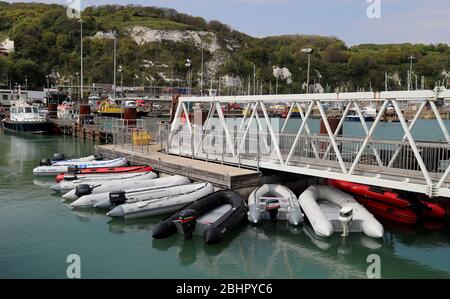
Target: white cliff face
x=143 y=35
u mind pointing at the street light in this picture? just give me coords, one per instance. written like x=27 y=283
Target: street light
x=188 y=64
x=48 y=83
x=121 y=80
x=411 y=58
x=26 y=83
x=308 y=51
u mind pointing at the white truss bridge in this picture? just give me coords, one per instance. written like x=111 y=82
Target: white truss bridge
x=404 y=163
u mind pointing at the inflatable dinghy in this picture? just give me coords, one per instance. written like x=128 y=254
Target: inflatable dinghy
x=274 y=202
x=87 y=172
x=88 y=201
x=160 y=203
x=69 y=184
x=391 y=205
x=56 y=169
x=212 y=217
x=59 y=158
x=330 y=210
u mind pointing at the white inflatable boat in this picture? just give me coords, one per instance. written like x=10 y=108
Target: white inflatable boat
x=274 y=202
x=56 y=169
x=165 y=204
x=69 y=184
x=330 y=210
x=89 y=200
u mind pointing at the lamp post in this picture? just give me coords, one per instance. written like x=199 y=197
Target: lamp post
x=121 y=80
x=115 y=68
x=188 y=64
x=308 y=51
x=26 y=83
x=411 y=58
x=81 y=61
x=48 y=81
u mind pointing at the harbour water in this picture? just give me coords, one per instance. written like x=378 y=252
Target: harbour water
x=39 y=230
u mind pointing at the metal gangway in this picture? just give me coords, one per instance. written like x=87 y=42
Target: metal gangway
x=253 y=141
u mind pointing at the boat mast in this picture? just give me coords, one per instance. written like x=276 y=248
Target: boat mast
x=81 y=71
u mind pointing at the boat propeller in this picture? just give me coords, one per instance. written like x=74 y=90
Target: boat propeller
x=187 y=219
x=272 y=206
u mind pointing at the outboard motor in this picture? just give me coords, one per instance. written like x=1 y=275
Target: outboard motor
x=59 y=157
x=72 y=169
x=82 y=190
x=45 y=162
x=187 y=219
x=70 y=177
x=98 y=157
x=117 y=198
x=346 y=217
x=272 y=206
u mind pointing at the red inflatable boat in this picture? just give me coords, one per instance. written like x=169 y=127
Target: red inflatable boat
x=390 y=205
x=87 y=171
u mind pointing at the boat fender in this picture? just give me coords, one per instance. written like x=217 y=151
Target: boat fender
x=346 y=217
x=117 y=198
x=72 y=169
x=59 y=157
x=82 y=190
x=45 y=162
x=272 y=206
x=188 y=221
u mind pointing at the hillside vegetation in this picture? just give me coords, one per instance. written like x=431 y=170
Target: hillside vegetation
x=47 y=42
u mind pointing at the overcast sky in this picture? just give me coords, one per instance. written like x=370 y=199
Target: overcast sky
x=415 y=21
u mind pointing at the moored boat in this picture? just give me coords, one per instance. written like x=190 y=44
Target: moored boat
x=160 y=202
x=211 y=217
x=274 y=202
x=330 y=210
x=68 y=184
x=63 y=167
x=91 y=195
x=99 y=171
x=391 y=205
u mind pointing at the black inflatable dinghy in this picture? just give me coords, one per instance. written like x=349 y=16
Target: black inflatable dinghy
x=212 y=217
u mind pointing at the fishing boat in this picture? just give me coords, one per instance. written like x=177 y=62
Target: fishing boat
x=112 y=108
x=63 y=167
x=274 y=202
x=67 y=110
x=369 y=114
x=389 y=205
x=75 y=173
x=330 y=210
x=26 y=118
x=68 y=184
x=87 y=195
x=211 y=217
x=158 y=202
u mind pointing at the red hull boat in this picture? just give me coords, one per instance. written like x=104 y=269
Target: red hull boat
x=391 y=205
x=111 y=170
